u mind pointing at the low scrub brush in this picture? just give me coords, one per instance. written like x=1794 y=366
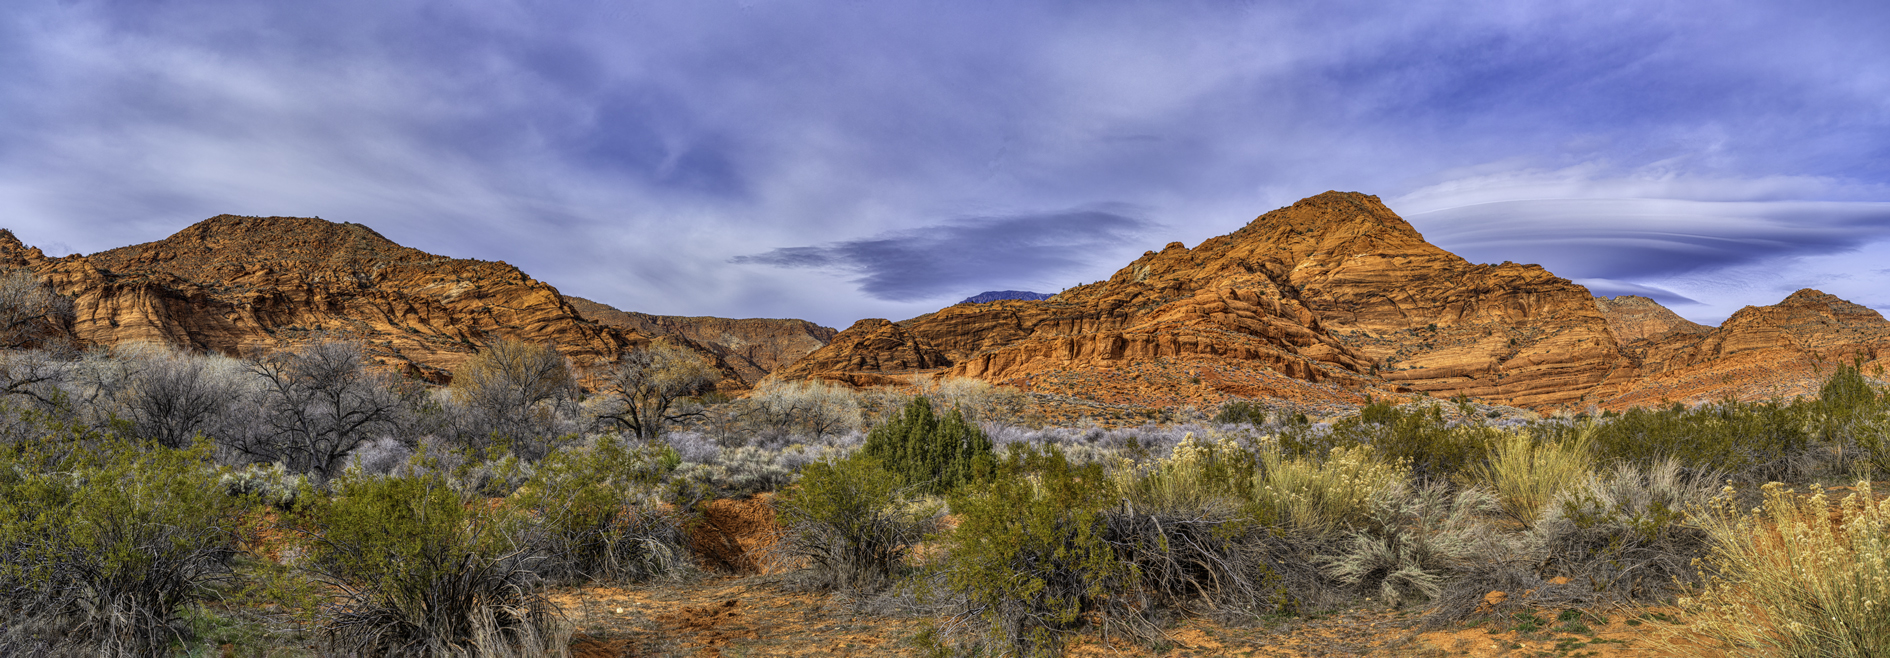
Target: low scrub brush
x=1795 y=577
x=417 y=569
x=1629 y=534
x=105 y=551
x=1325 y=497
x=1527 y=475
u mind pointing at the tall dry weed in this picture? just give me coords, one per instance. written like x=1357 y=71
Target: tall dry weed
x=1527 y=476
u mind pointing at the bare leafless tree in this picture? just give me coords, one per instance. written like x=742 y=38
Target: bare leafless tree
x=30 y=310
x=317 y=405
x=519 y=391
x=175 y=396
x=643 y=391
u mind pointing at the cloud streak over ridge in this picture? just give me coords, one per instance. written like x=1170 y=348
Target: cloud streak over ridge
x=725 y=158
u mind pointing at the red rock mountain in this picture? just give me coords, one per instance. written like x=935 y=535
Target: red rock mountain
x=754 y=347
x=234 y=284
x=1760 y=352
x=1331 y=299
x=1326 y=297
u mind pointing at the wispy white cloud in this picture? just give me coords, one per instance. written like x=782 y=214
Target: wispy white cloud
x=629 y=151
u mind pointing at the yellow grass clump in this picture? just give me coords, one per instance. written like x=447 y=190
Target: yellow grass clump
x=1527 y=476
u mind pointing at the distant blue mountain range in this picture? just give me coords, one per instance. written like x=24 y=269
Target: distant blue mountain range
x=994 y=295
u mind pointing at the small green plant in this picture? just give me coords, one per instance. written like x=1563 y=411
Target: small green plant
x=416 y=567
x=1791 y=580
x=606 y=514
x=853 y=523
x=1433 y=448
x=1241 y=411
x=934 y=453
x=1030 y=558
x=108 y=546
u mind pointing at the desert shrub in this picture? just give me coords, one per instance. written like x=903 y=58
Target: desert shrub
x=317 y=405
x=517 y=395
x=811 y=408
x=417 y=568
x=1196 y=474
x=1752 y=441
x=1417 y=539
x=934 y=453
x=1238 y=411
x=1194 y=545
x=172 y=397
x=1628 y=534
x=854 y=524
x=976 y=399
x=1029 y=558
x=31 y=310
x=268 y=484
x=1434 y=448
x=106 y=549
x=1324 y=497
x=650 y=389
x=1793 y=578
x=1527 y=475
x=749 y=470
x=606 y=515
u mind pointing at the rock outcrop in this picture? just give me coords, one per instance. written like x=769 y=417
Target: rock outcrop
x=1634 y=318
x=871 y=352
x=1761 y=352
x=234 y=285
x=754 y=347
x=1335 y=292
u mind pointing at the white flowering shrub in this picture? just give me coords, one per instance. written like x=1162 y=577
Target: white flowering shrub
x=1796 y=578
x=1325 y=496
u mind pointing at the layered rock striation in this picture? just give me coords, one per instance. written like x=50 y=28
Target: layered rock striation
x=1333 y=290
x=1336 y=297
x=235 y=285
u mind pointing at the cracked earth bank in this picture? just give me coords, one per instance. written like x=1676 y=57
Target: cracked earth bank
x=754 y=615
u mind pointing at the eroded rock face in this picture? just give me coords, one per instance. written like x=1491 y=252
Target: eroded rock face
x=871 y=352
x=1634 y=318
x=1761 y=352
x=754 y=347
x=233 y=284
x=1334 y=294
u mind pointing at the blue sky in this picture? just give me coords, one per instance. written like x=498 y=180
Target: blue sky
x=841 y=160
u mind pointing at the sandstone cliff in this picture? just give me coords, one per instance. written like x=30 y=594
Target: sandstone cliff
x=233 y=284
x=1332 y=297
x=1761 y=352
x=754 y=347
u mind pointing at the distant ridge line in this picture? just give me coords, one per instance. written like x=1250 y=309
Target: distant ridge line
x=995 y=295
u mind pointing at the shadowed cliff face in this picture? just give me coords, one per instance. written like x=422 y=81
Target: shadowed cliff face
x=753 y=347
x=234 y=284
x=1326 y=300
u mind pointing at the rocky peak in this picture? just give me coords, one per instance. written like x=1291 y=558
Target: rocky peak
x=233 y=284
x=1634 y=318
